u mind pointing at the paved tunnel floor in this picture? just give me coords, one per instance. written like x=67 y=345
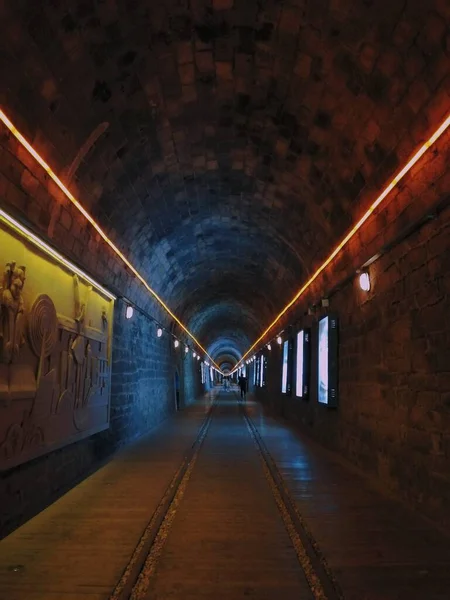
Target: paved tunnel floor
x=224 y=502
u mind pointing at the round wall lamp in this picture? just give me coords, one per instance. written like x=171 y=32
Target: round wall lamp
x=186 y=349
x=129 y=312
x=159 y=332
x=194 y=354
x=279 y=340
x=176 y=343
x=269 y=347
x=364 y=282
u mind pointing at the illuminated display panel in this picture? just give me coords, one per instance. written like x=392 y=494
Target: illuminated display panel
x=299 y=365
x=261 y=372
x=284 y=374
x=327 y=362
x=322 y=380
x=302 y=364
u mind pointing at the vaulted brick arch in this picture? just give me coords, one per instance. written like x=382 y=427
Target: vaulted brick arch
x=238 y=140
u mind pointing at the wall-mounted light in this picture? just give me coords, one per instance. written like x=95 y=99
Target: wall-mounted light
x=129 y=312
x=325 y=302
x=176 y=343
x=279 y=340
x=364 y=282
x=194 y=354
x=198 y=357
x=159 y=332
x=186 y=349
x=269 y=347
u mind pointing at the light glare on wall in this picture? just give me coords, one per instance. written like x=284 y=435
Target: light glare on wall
x=36 y=241
x=129 y=312
x=159 y=332
x=364 y=282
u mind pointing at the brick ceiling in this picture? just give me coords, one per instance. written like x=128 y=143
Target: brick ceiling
x=233 y=140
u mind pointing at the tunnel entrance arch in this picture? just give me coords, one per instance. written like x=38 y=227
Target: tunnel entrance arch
x=176 y=386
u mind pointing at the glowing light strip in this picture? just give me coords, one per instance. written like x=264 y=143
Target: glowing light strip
x=34 y=239
x=16 y=133
x=409 y=165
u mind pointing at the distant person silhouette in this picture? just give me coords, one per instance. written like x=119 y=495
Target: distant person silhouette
x=243 y=385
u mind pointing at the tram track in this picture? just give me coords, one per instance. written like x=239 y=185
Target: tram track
x=135 y=581
x=319 y=575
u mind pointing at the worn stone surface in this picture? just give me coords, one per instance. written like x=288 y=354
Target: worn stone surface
x=226 y=537
x=393 y=417
x=58 y=537
x=225 y=147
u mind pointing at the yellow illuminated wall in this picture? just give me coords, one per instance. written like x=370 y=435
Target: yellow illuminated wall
x=55 y=335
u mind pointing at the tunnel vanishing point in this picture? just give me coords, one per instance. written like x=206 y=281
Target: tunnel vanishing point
x=208 y=199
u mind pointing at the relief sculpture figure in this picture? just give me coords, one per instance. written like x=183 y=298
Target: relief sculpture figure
x=15 y=381
x=12 y=312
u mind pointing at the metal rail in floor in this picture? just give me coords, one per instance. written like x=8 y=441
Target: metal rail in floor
x=223 y=502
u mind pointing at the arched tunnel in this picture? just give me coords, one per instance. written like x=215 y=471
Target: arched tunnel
x=224 y=309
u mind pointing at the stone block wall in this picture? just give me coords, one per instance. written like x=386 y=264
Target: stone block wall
x=143 y=366
x=142 y=396
x=393 y=419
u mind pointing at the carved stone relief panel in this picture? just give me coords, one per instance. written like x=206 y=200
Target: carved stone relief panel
x=55 y=365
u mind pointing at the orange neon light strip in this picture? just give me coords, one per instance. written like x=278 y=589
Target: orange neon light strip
x=16 y=133
x=409 y=165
